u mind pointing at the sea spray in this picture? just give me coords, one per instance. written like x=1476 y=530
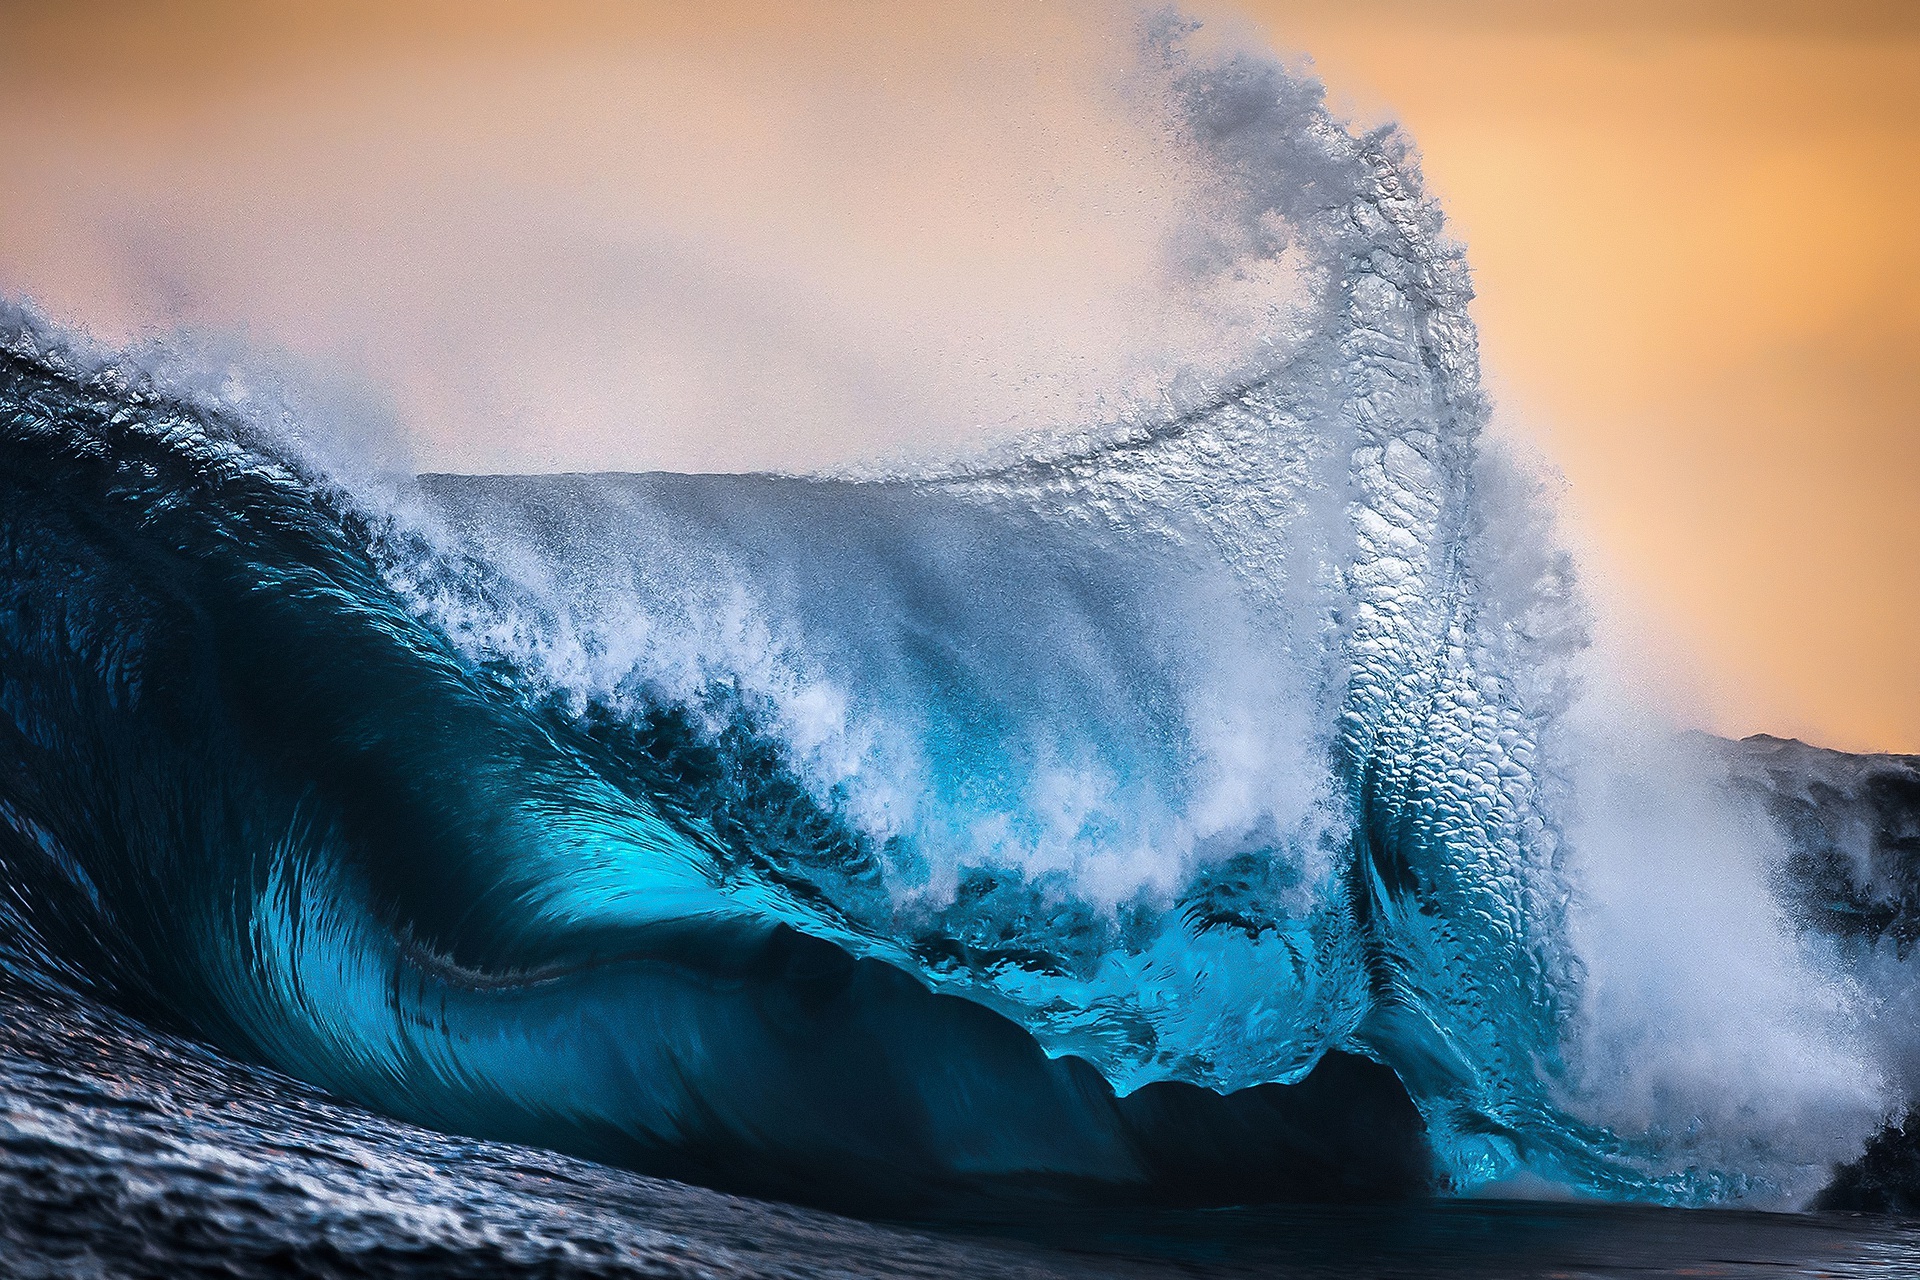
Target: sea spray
x=1221 y=749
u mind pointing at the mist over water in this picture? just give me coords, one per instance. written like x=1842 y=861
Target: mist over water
x=1231 y=705
x=675 y=252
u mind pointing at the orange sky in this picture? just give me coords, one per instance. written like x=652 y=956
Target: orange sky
x=1690 y=225
x=1692 y=231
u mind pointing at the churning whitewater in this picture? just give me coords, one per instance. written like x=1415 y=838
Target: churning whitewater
x=1215 y=807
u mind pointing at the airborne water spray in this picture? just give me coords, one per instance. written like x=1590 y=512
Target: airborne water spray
x=626 y=814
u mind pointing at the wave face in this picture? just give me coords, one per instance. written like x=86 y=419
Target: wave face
x=250 y=794
x=1166 y=813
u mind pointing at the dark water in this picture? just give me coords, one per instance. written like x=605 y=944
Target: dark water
x=125 y=1152
x=1041 y=850
x=247 y=796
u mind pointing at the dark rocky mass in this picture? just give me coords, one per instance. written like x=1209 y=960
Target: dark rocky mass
x=1853 y=871
x=1886 y=1179
x=1853 y=824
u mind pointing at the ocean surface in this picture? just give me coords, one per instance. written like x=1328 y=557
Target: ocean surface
x=1204 y=844
x=130 y=1153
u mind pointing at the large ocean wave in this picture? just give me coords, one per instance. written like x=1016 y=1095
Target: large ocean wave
x=1221 y=805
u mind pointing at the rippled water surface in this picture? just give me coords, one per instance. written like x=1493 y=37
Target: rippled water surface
x=129 y=1153
x=1218 y=806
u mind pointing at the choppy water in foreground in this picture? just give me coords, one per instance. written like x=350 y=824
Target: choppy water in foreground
x=128 y=1153
x=1072 y=847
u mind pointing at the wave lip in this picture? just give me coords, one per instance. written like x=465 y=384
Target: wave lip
x=1192 y=812
x=250 y=795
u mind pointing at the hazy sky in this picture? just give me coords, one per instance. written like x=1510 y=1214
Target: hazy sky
x=1691 y=227
x=585 y=234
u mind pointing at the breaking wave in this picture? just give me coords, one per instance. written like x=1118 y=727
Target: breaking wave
x=1217 y=806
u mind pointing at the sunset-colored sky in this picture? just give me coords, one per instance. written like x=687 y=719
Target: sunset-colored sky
x=1692 y=231
x=600 y=234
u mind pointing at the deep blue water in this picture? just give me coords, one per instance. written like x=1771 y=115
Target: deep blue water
x=1204 y=844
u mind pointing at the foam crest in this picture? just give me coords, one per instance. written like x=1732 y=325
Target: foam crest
x=1246 y=730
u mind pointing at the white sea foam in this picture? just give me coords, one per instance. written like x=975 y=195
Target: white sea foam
x=1300 y=614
